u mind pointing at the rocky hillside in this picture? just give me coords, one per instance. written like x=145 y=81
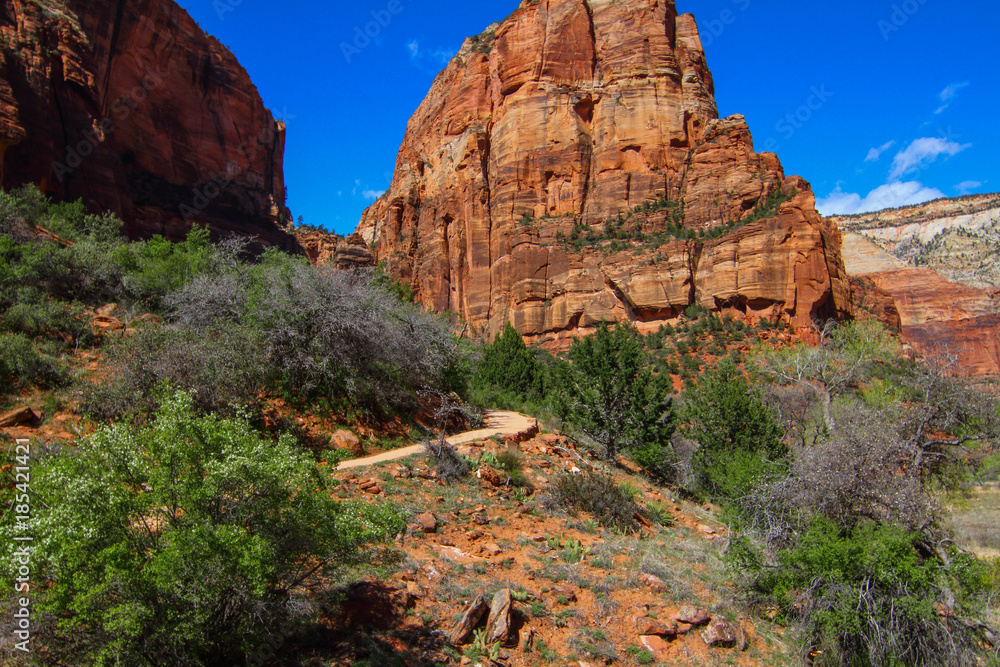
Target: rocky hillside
x=569 y=166
x=132 y=107
x=957 y=238
x=939 y=266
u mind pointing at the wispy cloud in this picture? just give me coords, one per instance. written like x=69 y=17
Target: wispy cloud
x=965 y=187
x=948 y=94
x=922 y=153
x=372 y=195
x=875 y=153
x=890 y=195
x=428 y=59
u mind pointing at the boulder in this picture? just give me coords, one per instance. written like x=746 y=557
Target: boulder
x=692 y=615
x=657 y=646
x=499 y=627
x=652 y=626
x=427 y=522
x=345 y=439
x=719 y=633
x=19 y=417
x=470 y=619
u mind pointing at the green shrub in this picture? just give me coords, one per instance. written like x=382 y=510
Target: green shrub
x=156 y=267
x=875 y=595
x=513 y=466
x=615 y=398
x=47 y=319
x=22 y=365
x=508 y=369
x=739 y=442
x=599 y=495
x=187 y=543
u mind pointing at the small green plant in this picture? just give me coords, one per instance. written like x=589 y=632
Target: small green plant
x=641 y=655
x=599 y=495
x=659 y=513
x=479 y=648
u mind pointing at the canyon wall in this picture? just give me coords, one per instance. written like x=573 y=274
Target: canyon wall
x=939 y=265
x=133 y=108
x=569 y=166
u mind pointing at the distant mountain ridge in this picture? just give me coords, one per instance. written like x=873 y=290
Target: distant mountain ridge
x=939 y=265
x=957 y=238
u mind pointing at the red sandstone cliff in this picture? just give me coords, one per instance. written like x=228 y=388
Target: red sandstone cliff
x=549 y=125
x=131 y=106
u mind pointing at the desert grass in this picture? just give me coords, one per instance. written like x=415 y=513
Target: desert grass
x=976 y=521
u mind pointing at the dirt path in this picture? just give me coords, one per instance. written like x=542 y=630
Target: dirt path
x=498 y=422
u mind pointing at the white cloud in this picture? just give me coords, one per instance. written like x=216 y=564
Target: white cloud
x=948 y=94
x=966 y=186
x=372 y=195
x=921 y=153
x=430 y=60
x=875 y=153
x=890 y=195
x=951 y=91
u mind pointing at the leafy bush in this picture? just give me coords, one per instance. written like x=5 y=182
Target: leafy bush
x=875 y=595
x=21 y=364
x=156 y=267
x=599 y=495
x=513 y=465
x=508 y=370
x=186 y=543
x=47 y=319
x=739 y=443
x=615 y=398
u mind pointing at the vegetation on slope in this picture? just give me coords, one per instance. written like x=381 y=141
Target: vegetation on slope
x=191 y=527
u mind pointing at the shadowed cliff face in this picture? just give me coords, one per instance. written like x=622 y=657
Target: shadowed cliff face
x=130 y=106
x=552 y=123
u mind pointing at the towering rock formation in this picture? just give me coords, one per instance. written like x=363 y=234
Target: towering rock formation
x=569 y=166
x=132 y=107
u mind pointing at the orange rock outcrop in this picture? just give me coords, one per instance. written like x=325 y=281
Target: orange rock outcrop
x=132 y=107
x=550 y=125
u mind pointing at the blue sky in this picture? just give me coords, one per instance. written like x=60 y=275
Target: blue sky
x=876 y=103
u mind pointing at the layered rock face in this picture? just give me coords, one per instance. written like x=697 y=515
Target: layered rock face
x=936 y=264
x=596 y=120
x=957 y=238
x=130 y=106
